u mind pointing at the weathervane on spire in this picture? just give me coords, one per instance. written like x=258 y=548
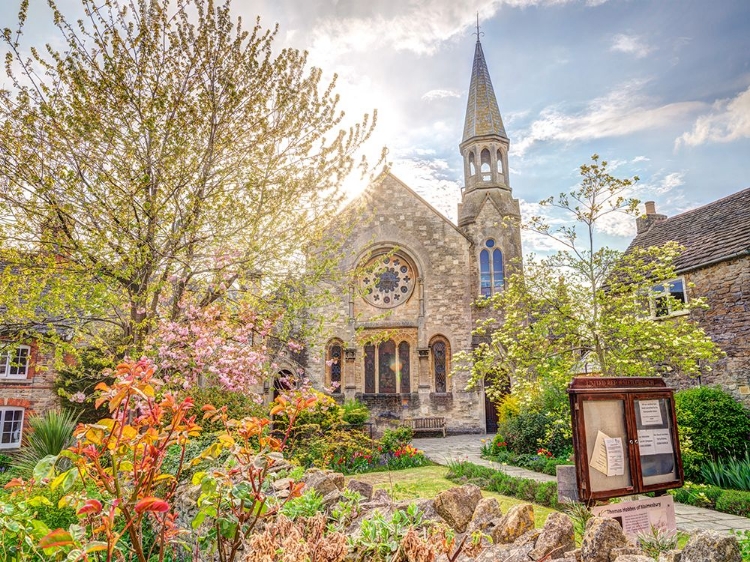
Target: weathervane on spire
x=478 y=33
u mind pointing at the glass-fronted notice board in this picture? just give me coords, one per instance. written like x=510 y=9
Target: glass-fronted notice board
x=624 y=436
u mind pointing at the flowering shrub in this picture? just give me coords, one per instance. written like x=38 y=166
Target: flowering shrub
x=407 y=457
x=544 y=453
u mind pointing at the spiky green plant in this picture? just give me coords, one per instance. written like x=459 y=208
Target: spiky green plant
x=733 y=473
x=49 y=434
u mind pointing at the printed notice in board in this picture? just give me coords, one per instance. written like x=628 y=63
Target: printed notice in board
x=654 y=442
x=650 y=412
x=608 y=456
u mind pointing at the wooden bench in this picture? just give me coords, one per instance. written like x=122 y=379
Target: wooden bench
x=419 y=425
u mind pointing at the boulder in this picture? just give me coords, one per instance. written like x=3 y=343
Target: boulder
x=633 y=558
x=574 y=555
x=362 y=488
x=622 y=551
x=670 y=556
x=487 y=509
x=557 y=537
x=518 y=520
x=457 y=505
x=322 y=482
x=529 y=537
x=505 y=553
x=710 y=546
x=601 y=536
x=332 y=498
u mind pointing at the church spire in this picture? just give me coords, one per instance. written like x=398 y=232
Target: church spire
x=482 y=112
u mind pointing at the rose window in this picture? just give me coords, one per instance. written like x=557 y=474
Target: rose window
x=388 y=281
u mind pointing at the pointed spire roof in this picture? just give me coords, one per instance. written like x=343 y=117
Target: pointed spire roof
x=482 y=113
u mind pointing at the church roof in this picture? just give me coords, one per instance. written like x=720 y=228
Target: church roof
x=482 y=112
x=715 y=232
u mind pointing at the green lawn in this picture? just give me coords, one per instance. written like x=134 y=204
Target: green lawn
x=428 y=481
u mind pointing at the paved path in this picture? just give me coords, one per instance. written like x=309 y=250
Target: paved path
x=469 y=448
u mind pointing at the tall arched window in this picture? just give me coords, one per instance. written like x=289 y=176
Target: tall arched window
x=403 y=366
x=491 y=272
x=472 y=164
x=387 y=369
x=439 y=363
x=370 y=369
x=334 y=362
x=499 y=162
x=486 y=166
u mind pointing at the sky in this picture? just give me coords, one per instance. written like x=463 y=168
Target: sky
x=658 y=88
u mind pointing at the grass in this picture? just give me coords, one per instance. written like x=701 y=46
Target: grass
x=428 y=481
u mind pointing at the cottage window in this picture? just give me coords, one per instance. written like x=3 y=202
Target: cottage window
x=491 y=271
x=14 y=363
x=11 y=425
x=668 y=299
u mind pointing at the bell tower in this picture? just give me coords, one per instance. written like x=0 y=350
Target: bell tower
x=488 y=214
x=484 y=146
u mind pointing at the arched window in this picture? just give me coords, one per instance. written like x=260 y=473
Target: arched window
x=486 y=165
x=388 y=364
x=403 y=366
x=472 y=164
x=499 y=162
x=370 y=369
x=439 y=363
x=334 y=362
x=387 y=369
x=491 y=272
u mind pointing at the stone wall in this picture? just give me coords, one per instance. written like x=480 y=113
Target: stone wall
x=726 y=287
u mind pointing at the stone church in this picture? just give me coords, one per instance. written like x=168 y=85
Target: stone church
x=413 y=276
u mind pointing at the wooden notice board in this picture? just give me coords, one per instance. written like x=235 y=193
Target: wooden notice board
x=624 y=436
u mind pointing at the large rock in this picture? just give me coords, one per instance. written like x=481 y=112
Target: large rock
x=557 y=537
x=457 y=505
x=487 y=509
x=324 y=482
x=364 y=489
x=633 y=558
x=670 y=556
x=505 y=553
x=710 y=546
x=518 y=520
x=623 y=550
x=601 y=536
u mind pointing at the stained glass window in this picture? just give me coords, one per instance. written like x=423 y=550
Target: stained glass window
x=403 y=363
x=438 y=365
x=491 y=272
x=387 y=367
x=370 y=369
x=389 y=281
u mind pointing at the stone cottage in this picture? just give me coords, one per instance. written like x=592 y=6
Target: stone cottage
x=407 y=308
x=716 y=265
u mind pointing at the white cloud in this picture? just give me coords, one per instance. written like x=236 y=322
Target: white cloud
x=432 y=180
x=440 y=94
x=631 y=44
x=640 y=159
x=419 y=26
x=623 y=111
x=729 y=120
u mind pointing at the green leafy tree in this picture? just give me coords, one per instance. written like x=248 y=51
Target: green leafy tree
x=165 y=157
x=587 y=301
